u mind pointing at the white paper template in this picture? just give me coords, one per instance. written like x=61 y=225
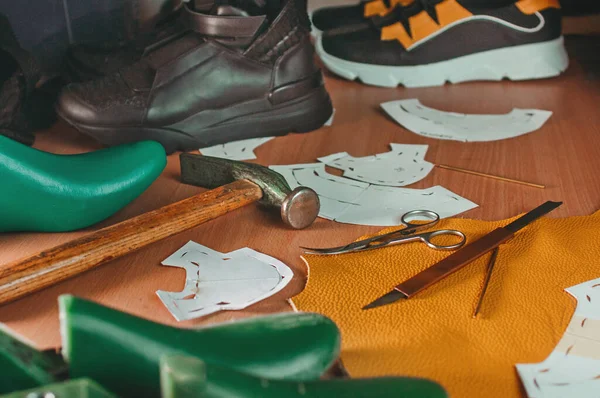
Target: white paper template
x=573 y=368
x=329 y=121
x=432 y=123
x=403 y=165
x=236 y=150
x=354 y=202
x=335 y=193
x=222 y=281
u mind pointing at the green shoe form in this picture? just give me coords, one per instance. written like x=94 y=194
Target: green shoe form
x=80 y=388
x=186 y=377
x=22 y=366
x=122 y=352
x=45 y=192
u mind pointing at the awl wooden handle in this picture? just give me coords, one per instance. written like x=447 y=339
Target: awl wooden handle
x=49 y=267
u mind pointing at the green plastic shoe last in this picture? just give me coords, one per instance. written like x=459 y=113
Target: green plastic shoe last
x=122 y=352
x=22 y=366
x=186 y=377
x=44 y=192
x=80 y=388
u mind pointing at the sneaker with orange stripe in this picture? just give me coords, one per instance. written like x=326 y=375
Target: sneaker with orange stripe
x=335 y=17
x=430 y=42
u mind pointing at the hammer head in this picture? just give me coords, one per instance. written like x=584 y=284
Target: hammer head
x=298 y=207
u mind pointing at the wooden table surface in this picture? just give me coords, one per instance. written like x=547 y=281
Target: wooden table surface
x=564 y=155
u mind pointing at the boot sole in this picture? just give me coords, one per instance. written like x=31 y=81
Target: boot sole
x=243 y=121
x=525 y=62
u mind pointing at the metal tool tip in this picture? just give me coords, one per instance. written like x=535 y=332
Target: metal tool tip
x=386 y=299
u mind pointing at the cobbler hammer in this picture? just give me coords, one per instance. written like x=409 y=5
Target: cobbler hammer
x=236 y=184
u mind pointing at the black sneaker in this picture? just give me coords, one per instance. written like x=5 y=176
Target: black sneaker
x=328 y=18
x=247 y=71
x=432 y=42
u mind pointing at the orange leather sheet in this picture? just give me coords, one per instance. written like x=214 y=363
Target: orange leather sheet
x=433 y=334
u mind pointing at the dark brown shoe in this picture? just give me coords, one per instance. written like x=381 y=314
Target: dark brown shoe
x=19 y=73
x=84 y=62
x=245 y=71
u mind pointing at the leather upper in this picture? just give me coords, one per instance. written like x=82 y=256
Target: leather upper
x=222 y=78
x=224 y=61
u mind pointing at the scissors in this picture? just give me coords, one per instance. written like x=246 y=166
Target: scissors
x=403 y=235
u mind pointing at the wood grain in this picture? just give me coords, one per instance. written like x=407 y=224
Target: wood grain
x=564 y=155
x=49 y=267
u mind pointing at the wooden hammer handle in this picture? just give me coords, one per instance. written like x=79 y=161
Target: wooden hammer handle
x=49 y=267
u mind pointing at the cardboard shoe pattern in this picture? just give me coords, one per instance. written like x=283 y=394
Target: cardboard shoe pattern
x=222 y=281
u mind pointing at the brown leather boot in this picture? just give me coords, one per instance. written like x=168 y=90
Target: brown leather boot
x=244 y=71
x=88 y=61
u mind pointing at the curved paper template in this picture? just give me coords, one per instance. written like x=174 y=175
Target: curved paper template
x=403 y=165
x=573 y=368
x=216 y=281
x=432 y=123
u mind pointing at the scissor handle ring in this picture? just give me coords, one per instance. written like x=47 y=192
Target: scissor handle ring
x=427 y=239
x=431 y=215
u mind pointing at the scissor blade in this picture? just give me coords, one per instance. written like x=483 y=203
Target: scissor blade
x=324 y=251
x=354 y=246
x=386 y=299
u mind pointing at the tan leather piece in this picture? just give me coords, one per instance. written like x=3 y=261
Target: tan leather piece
x=422 y=25
x=531 y=6
x=433 y=335
x=571 y=345
x=591 y=330
x=378 y=7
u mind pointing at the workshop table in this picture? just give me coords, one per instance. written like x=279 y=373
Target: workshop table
x=564 y=155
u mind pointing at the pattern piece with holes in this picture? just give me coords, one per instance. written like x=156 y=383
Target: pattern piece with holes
x=354 y=202
x=433 y=123
x=573 y=368
x=222 y=281
x=403 y=165
x=236 y=150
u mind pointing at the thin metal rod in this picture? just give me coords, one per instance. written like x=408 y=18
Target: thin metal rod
x=529 y=184
x=488 y=275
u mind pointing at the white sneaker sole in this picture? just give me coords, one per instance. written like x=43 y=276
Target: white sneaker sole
x=315 y=32
x=525 y=62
